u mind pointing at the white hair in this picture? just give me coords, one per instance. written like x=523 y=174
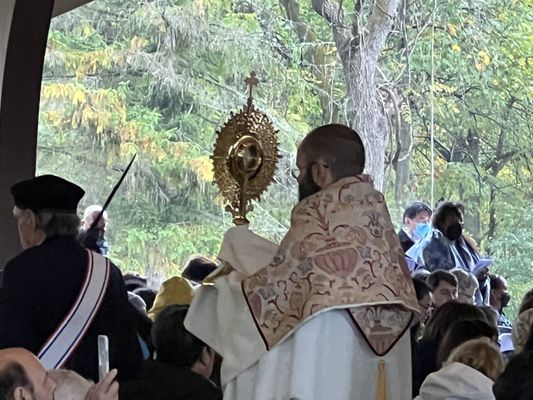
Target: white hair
x=70 y=385
x=91 y=209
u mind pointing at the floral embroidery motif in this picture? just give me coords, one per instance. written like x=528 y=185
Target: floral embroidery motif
x=341 y=252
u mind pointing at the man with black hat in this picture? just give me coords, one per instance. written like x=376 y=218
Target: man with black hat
x=57 y=297
x=416 y=219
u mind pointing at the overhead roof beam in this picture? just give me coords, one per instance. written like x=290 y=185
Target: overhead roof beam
x=63 y=6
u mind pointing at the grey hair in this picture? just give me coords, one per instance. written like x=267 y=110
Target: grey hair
x=12 y=376
x=57 y=223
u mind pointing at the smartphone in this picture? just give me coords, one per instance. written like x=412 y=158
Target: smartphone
x=103 y=356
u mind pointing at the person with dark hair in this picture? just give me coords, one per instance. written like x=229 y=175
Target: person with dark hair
x=444 y=287
x=445 y=247
x=425 y=305
x=425 y=357
x=57 y=297
x=499 y=299
x=147 y=294
x=424 y=296
x=182 y=366
x=318 y=301
x=516 y=381
x=134 y=281
x=490 y=315
x=461 y=331
x=416 y=220
x=197 y=268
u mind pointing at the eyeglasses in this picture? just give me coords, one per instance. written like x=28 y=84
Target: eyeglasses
x=295 y=172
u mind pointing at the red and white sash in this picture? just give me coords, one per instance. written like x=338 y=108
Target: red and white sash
x=70 y=332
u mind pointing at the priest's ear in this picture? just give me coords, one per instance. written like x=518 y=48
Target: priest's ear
x=321 y=173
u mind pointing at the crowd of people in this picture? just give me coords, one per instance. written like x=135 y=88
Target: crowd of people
x=344 y=308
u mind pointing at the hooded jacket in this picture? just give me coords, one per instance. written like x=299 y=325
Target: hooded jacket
x=456 y=381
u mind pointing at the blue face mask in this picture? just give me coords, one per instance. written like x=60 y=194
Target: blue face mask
x=422 y=229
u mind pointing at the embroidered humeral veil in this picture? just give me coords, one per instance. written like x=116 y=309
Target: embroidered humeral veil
x=340 y=252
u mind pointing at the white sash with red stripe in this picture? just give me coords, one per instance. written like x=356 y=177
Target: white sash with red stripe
x=67 y=336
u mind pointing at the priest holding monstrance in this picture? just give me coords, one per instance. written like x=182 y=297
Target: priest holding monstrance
x=324 y=315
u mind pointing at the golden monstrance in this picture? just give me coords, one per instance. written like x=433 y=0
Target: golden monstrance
x=245 y=157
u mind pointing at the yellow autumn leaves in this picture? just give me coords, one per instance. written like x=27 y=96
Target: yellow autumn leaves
x=482 y=57
x=482 y=60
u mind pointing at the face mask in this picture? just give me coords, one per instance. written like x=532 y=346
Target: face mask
x=506 y=297
x=422 y=229
x=454 y=231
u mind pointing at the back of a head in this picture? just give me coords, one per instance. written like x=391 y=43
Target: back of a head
x=148 y=295
x=422 y=275
x=521 y=330
x=527 y=302
x=70 y=385
x=467 y=285
x=172 y=342
x=516 y=382
x=497 y=282
x=444 y=210
x=480 y=354
x=446 y=315
x=12 y=375
x=134 y=281
x=441 y=275
x=198 y=268
x=95 y=208
x=491 y=315
x=462 y=331
x=422 y=289
x=339 y=146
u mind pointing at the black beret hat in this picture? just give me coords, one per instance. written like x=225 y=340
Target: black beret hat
x=416 y=207
x=198 y=268
x=47 y=192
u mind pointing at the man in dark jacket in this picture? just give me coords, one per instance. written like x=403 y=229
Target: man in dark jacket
x=43 y=282
x=182 y=367
x=416 y=220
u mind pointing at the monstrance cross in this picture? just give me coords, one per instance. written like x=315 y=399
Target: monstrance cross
x=251 y=81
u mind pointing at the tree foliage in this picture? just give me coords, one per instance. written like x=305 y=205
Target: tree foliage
x=159 y=78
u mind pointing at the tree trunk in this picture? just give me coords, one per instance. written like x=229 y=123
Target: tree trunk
x=366 y=115
x=402 y=159
x=359 y=48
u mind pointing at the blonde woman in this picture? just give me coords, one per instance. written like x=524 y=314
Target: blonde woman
x=521 y=329
x=468 y=374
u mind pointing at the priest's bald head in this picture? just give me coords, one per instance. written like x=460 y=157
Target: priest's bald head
x=326 y=155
